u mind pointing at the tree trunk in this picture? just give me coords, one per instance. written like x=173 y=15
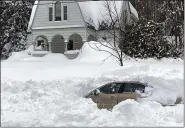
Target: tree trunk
x=121 y=60
x=114 y=38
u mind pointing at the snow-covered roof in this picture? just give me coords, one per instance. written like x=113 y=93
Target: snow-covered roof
x=94 y=11
x=133 y=10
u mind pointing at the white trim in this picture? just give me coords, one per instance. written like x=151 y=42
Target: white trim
x=55 y=27
x=32 y=15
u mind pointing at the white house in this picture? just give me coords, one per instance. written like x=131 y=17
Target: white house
x=58 y=26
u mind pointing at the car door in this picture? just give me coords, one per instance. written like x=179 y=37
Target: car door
x=108 y=95
x=127 y=91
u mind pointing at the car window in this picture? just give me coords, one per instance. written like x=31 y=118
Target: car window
x=110 y=88
x=132 y=87
x=140 y=87
x=122 y=87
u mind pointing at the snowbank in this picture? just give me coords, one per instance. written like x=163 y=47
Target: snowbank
x=72 y=52
x=18 y=56
x=89 y=53
x=49 y=90
x=54 y=57
x=21 y=55
x=60 y=103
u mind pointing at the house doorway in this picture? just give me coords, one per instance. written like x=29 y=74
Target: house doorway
x=70 y=45
x=75 y=42
x=58 y=45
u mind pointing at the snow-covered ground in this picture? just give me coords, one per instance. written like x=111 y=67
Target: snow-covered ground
x=48 y=91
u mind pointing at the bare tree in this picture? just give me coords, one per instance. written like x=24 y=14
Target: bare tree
x=116 y=21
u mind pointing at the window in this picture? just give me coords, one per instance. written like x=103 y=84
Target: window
x=122 y=87
x=65 y=12
x=40 y=42
x=58 y=11
x=50 y=14
x=132 y=87
x=110 y=88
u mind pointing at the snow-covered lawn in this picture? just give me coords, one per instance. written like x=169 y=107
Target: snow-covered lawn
x=49 y=91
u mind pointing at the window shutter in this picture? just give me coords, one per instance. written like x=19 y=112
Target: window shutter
x=65 y=12
x=50 y=14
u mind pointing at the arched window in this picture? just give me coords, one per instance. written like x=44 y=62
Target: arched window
x=41 y=43
x=57 y=11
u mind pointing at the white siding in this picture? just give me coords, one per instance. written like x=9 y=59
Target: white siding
x=41 y=18
x=29 y=39
x=50 y=33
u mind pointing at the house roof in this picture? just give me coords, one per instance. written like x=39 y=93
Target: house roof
x=94 y=11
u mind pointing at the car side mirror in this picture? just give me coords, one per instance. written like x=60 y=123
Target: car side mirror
x=96 y=92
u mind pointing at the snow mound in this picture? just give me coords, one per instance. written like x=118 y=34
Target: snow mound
x=30 y=50
x=22 y=55
x=27 y=56
x=89 y=52
x=60 y=103
x=137 y=113
x=18 y=56
x=54 y=57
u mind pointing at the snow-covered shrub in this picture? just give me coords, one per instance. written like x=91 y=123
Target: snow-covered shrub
x=13 y=25
x=146 y=40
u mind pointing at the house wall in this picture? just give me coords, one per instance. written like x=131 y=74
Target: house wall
x=41 y=26
x=29 y=39
x=41 y=18
x=50 y=33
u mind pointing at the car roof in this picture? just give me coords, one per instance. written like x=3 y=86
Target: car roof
x=145 y=84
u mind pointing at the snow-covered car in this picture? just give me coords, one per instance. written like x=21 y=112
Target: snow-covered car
x=110 y=94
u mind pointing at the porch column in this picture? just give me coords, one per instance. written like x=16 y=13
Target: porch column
x=34 y=43
x=49 y=46
x=66 y=42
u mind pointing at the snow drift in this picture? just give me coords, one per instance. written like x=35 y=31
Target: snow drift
x=89 y=52
x=48 y=91
x=60 y=103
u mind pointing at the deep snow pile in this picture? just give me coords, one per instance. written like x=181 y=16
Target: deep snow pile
x=60 y=103
x=27 y=56
x=22 y=55
x=49 y=91
x=89 y=52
